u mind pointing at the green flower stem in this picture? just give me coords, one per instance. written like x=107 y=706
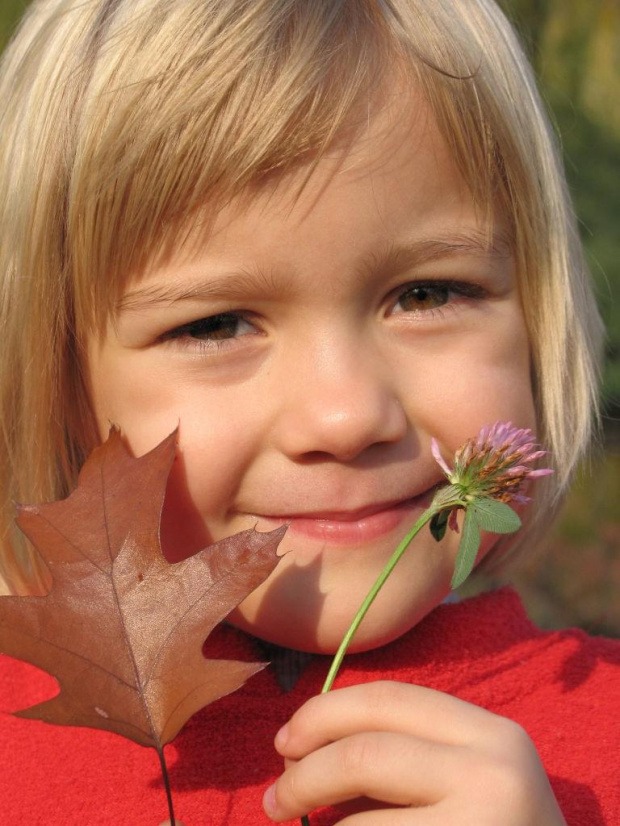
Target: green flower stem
x=448 y=497
x=370 y=598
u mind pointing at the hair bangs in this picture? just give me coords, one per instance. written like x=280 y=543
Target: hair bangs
x=250 y=96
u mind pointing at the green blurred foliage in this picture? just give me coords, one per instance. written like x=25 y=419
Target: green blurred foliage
x=574 y=46
x=10 y=12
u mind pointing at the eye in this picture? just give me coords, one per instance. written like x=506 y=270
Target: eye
x=424 y=297
x=433 y=295
x=215 y=330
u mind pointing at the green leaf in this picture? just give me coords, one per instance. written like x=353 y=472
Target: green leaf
x=438 y=525
x=468 y=549
x=494 y=516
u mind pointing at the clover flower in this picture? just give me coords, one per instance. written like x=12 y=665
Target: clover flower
x=496 y=464
x=489 y=471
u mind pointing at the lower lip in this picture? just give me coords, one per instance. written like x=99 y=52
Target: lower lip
x=339 y=532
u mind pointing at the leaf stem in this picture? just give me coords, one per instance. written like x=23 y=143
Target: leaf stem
x=166 y=779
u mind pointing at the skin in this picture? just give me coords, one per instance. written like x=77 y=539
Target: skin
x=319 y=399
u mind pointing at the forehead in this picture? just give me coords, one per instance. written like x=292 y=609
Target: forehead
x=391 y=196
x=178 y=120
x=394 y=132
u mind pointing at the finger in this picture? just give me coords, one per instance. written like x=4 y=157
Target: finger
x=390 y=767
x=423 y=816
x=383 y=706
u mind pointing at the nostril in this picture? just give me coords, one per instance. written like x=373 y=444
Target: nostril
x=317 y=457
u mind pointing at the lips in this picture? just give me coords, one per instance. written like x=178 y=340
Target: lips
x=357 y=526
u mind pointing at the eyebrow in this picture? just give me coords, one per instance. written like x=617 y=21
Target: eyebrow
x=472 y=244
x=243 y=284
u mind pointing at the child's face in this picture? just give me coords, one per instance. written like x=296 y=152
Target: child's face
x=310 y=349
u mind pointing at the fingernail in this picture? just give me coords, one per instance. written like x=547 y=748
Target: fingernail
x=282 y=736
x=269 y=800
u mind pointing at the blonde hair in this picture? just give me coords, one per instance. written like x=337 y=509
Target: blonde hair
x=119 y=119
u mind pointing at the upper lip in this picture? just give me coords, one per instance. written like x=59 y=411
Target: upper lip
x=352 y=514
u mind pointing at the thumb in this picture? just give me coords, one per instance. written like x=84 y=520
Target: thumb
x=176 y=823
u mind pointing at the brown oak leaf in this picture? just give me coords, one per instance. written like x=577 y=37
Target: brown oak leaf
x=122 y=629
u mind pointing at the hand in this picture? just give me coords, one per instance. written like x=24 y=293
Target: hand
x=439 y=760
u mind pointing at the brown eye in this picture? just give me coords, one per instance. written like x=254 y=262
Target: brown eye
x=424 y=297
x=215 y=327
x=219 y=327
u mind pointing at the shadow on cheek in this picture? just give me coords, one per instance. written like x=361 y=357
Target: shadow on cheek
x=183 y=531
x=294 y=593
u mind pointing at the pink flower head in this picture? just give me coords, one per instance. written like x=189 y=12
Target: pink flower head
x=496 y=464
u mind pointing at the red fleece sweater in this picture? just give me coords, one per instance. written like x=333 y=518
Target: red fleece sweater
x=563 y=687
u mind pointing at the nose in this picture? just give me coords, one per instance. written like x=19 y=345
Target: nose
x=337 y=403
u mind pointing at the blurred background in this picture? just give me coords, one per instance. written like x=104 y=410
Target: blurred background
x=574 y=46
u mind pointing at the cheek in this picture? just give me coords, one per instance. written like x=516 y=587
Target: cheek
x=211 y=463
x=148 y=402
x=486 y=378
x=217 y=436
x=183 y=531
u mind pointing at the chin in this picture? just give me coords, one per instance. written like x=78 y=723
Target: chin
x=325 y=636
x=299 y=608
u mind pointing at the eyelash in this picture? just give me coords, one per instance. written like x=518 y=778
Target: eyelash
x=182 y=335
x=185 y=334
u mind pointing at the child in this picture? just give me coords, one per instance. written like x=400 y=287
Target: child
x=314 y=235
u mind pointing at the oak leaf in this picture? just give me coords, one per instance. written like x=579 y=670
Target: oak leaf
x=122 y=629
